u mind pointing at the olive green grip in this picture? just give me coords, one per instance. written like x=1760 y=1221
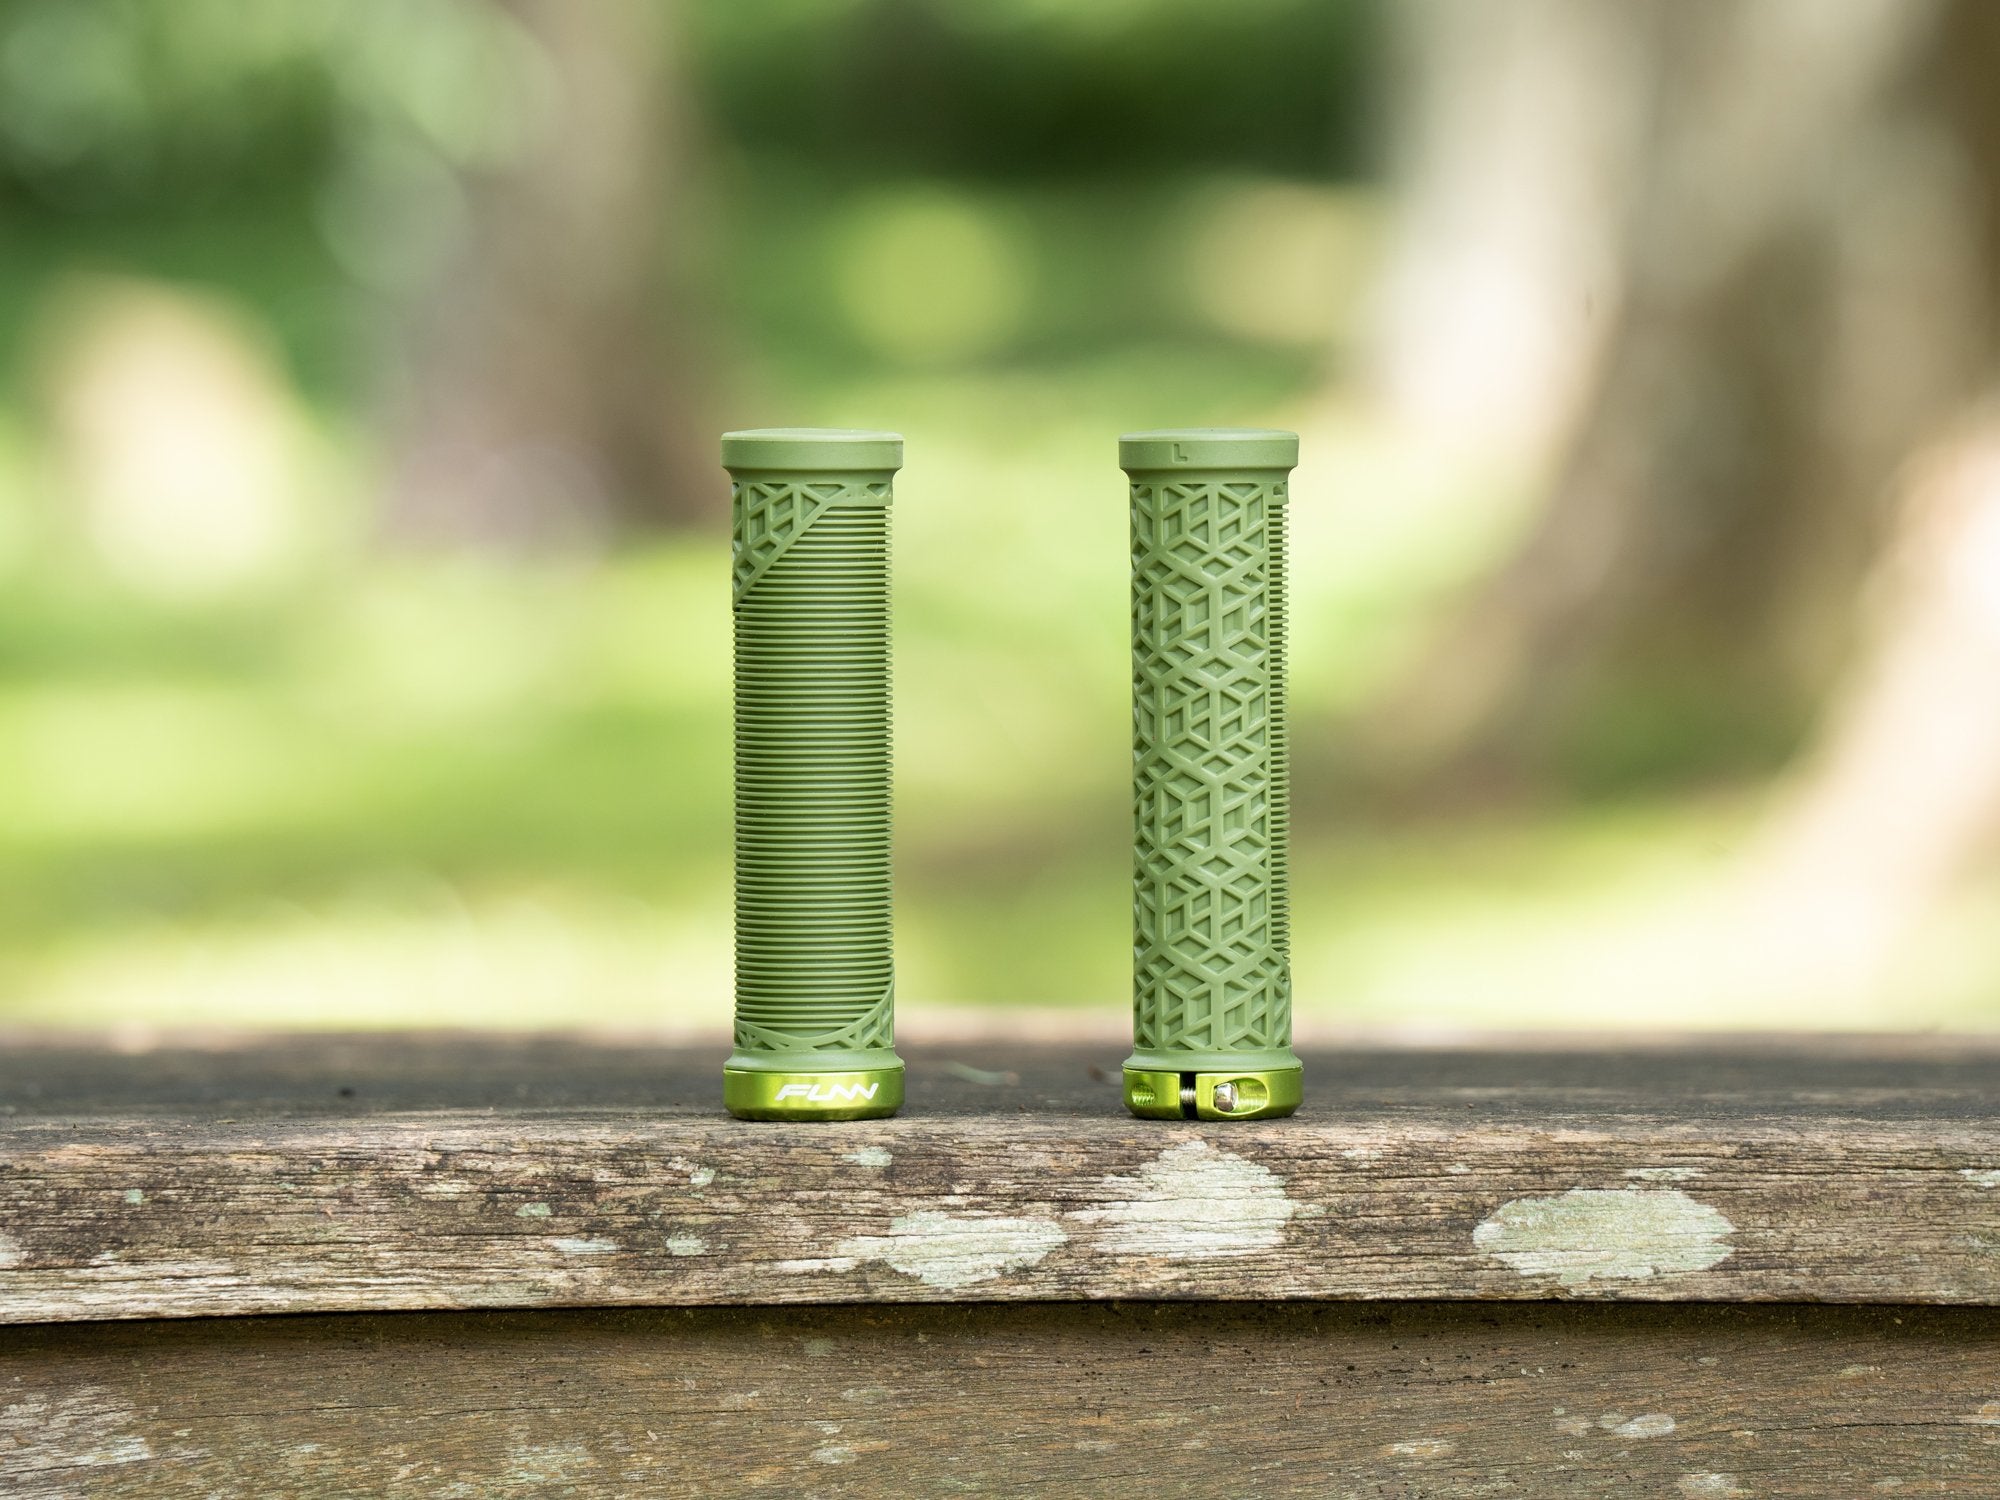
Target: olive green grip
x=1211 y=1004
x=815 y=975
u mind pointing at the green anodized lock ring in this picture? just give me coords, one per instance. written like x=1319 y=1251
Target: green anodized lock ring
x=1211 y=769
x=815 y=976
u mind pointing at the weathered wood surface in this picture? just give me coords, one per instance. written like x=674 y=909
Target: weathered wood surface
x=1546 y=1402
x=59 y=1076
x=390 y=1174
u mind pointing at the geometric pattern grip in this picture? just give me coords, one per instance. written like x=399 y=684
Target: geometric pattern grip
x=1211 y=961
x=771 y=514
x=876 y=1028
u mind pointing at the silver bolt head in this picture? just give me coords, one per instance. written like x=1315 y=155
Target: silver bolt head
x=1225 y=1097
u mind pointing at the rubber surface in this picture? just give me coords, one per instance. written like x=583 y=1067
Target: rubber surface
x=815 y=976
x=1210 y=759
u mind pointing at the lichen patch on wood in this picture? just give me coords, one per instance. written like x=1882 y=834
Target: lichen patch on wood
x=1709 y=1485
x=1420 y=1448
x=88 y=1427
x=954 y=1250
x=1193 y=1201
x=1616 y=1234
x=1648 y=1424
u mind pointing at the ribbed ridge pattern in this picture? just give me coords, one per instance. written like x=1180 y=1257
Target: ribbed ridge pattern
x=1278 y=521
x=814 y=971
x=1210 y=766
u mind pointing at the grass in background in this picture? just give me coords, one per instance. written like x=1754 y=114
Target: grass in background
x=378 y=791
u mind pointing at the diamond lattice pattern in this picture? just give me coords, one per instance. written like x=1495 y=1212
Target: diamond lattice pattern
x=1209 y=965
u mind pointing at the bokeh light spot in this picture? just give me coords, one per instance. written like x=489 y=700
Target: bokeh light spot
x=1278 y=262
x=929 y=276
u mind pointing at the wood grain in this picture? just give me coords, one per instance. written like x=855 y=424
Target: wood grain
x=62 y=1076
x=1544 y=1402
x=565 y=1174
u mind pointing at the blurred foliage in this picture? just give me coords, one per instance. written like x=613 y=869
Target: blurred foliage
x=115 y=103
x=342 y=787
x=310 y=155
x=1046 y=88
x=108 y=104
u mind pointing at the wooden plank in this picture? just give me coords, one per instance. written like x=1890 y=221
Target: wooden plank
x=1547 y=1402
x=1679 y=1176
x=58 y=1076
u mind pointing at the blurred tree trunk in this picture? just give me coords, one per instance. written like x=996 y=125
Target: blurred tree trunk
x=1518 y=128
x=555 y=393
x=1797 y=286
x=1902 y=794
x=1900 y=799
x=1795 y=405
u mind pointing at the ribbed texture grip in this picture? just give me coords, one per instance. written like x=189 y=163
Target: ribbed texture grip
x=1210 y=769
x=815 y=980
x=1279 y=522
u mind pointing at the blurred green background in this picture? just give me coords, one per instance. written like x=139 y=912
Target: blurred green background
x=363 y=550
